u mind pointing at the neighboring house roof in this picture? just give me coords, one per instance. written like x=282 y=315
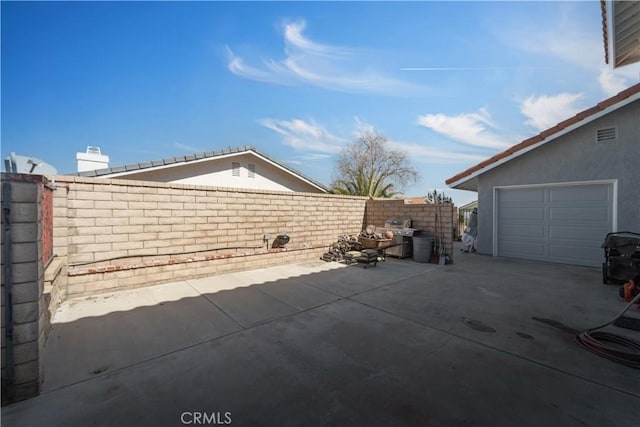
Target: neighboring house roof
x=414 y=200
x=625 y=32
x=117 y=171
x=469 y=205
x=467 y=180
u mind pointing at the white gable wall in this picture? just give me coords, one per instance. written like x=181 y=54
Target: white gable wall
x=217 y=172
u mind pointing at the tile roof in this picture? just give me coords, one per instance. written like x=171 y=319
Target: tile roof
x=414 y=200
x=605 y=30
x=469 y=205
x=542 y=136
x=134 y=167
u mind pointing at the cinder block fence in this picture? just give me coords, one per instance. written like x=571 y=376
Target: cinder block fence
x=92 y=235
x=118 y=234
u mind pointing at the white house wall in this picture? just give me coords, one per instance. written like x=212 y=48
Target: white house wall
x=218 y=172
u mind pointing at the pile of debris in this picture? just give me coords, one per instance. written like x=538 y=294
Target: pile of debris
x=340 y=251
x=370 y=239
x=369 y=233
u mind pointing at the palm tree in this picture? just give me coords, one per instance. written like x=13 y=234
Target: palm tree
x=362 y=185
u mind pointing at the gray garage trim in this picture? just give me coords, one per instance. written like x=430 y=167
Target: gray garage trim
x=554 y=222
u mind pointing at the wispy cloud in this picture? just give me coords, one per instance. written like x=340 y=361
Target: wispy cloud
x=561 y=35
x=568 y=40
x=237 y=66
x=308 y=158
x=294 y=38
x=545 y=111
x=314 y=142
x=420 y=152
x=307 y=62
x=474 y=129
x=362 y=128
x=314 y=156
x=305 y=135
x=433 y=154
x=574 y=46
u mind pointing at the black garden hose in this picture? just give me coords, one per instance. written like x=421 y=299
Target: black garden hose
x=597 y=342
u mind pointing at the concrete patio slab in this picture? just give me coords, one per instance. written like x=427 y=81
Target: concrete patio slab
x=306 y=268
x=260 y=276
x=400 y=344
x=249 y=306
x=298 y=294
x=355 y=278
x=340 y=364
x=110 y=331
x=93 y=335
x=538 y=322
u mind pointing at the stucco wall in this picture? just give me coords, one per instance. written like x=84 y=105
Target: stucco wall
x=573 y=157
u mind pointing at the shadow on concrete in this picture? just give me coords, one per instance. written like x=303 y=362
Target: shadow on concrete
x=320 y=344
x=111 y=331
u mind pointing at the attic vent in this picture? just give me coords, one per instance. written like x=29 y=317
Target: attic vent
x=607 y=134
x=252 y=170
x=235 y=169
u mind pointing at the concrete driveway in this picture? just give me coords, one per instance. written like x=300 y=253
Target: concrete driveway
x=483 y=342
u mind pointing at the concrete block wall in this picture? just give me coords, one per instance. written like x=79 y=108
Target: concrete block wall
x=54 y=285
x=46 y=224
x=27 y=281
x=163 y=232
x=57 y=293
x=423 y=217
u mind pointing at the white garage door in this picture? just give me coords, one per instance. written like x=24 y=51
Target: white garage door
x=559 y=223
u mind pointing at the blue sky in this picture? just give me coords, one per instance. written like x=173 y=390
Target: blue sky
x=452 y=83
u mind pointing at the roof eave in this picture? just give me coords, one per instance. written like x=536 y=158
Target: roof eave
x=625 y=33
x=469 y=183
x=584 y=118
x=135 y=168
x=289 y=170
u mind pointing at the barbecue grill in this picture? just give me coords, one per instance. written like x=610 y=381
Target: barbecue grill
x=402 y=236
